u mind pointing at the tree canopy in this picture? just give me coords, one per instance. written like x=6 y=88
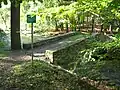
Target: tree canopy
x=17 y=1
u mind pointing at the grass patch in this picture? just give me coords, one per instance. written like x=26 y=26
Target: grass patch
x=3 y=53
x=45 y=77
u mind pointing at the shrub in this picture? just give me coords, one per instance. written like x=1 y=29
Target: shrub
x=2 y=38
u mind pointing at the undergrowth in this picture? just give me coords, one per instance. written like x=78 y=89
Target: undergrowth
x=100 y=61
x=43 y=76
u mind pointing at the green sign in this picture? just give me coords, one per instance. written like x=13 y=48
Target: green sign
x=31 y=18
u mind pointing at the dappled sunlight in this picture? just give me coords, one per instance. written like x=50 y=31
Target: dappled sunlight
x=59 y=45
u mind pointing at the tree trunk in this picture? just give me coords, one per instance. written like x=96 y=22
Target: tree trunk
x=15 y=26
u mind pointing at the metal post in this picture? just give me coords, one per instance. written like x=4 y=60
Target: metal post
x=87 y=22
x=101 y=28
x=32 y=42
x=78 y=20
x=79 y=23
x=56 y=24
x=66 y=27
x=75 y=27
x=93 y=22
x=62 y=26
x=83 y=20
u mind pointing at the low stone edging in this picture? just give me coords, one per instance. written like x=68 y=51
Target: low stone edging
x=49 y=40
x=65 y=55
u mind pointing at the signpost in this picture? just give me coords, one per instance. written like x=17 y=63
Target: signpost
x=31 y=19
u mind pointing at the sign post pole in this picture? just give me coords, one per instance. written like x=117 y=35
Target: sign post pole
x=31 y=19
x=32 y=41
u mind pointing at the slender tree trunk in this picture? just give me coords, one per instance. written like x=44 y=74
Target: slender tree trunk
x=101 y=28
x=15 y=26
x=93 y=23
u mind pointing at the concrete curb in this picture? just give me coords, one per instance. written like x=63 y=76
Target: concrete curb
x=49 y=40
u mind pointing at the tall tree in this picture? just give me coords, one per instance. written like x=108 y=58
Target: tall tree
x=15 y=25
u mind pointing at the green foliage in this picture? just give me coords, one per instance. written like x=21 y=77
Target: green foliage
x=3 y=53
x=106 y=10
x=49 y=12
x=4 y=17
x=2 y=44
x=100 y=64
x=90 y=57
x=59 y=15
x=101 y=9
x=3 y=40
x=50 y=3
x=98 y=59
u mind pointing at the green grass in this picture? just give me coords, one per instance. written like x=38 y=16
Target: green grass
x=45 y=77
x=3 y=53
